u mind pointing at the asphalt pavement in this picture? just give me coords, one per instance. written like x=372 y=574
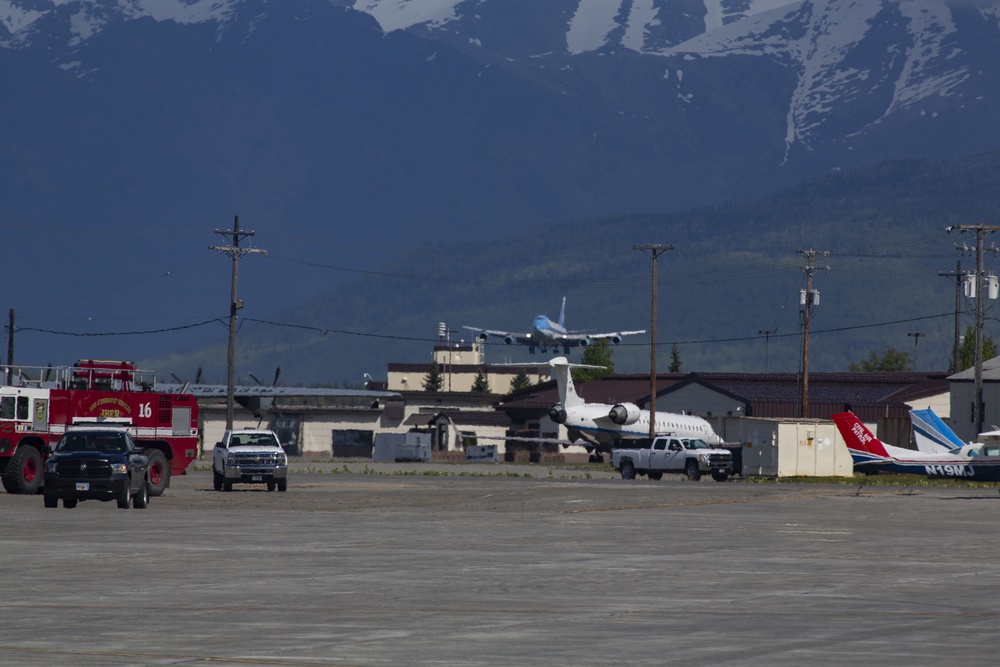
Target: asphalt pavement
x=424 y=564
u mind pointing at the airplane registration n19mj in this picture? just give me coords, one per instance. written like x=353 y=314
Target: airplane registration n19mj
x=872 y=455
x=545 y=334
x=603 y=425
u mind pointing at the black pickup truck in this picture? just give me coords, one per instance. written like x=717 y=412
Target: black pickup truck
x=97 y=463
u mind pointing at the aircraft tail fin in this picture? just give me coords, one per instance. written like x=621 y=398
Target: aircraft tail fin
x=562 y=314
x=861 y=442
x=564 y=381
x=931 y=434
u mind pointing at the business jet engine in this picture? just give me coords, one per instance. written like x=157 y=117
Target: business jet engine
x=557 y=413
x=624 y=414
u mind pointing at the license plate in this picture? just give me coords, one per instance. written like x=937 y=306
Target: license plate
x=83 y=486
x=257 y=478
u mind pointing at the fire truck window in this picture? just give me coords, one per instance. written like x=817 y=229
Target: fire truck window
x=22 y=407
x=7 y=407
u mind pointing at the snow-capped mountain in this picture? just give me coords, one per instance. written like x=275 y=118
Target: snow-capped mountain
x=405 y=122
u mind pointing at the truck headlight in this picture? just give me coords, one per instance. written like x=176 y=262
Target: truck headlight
x=118 y=469
x=231 y=459
x=50 y=466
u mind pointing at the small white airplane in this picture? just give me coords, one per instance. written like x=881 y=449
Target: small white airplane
x=545 y=334
x=932 y=435
x=871 y=455
x=603 y=425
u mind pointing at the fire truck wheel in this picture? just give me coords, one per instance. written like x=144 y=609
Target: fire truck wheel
x=24 y=471
x=159 y=472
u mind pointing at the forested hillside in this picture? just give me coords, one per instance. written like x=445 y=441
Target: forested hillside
x=735 y=272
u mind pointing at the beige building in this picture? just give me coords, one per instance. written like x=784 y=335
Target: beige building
x=459 y=364
x=345 y=427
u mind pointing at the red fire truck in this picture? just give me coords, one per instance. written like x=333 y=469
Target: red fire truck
x=37 y=404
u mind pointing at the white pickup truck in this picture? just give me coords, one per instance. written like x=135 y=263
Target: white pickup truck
x=249 y=456
x=690 y=456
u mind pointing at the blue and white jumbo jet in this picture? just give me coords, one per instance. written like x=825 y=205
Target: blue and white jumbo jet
x=545 y=334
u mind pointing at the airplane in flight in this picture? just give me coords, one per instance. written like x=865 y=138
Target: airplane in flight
x=871 y=455
x=545 y=334
x=603 y=425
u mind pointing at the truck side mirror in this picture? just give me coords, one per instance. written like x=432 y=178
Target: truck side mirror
x=218 y=444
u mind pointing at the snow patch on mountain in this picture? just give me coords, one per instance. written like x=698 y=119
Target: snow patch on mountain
x=818 y=40
x=401 y=14
x=86 y=18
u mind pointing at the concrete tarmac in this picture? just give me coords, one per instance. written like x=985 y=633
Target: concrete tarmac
x=456 y=565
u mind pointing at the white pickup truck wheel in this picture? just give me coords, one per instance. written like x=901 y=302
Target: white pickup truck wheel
x=692 y=472
x=627 y=470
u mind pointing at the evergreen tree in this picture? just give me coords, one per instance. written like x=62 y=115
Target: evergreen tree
x=967 y=351
x=520 y=381
x=892 y=360
x=598 y=354
x=482 y=383
x=433 y=381
x=675 y=359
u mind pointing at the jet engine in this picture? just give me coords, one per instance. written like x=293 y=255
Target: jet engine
x=557 y=413
x=615 y=340
x=624 y=414
x=584 y=342
x=483 y=336
x=509 y=340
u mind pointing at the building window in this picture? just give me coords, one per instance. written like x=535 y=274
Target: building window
x=352 y=443
x=289 y=429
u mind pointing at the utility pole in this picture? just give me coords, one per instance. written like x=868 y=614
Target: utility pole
x=916 y=339
x=235 y=252
x=981 y=230
x=767 y=338
x=10 y=348
x=654 y=250
x=957 y=275
x=808 y=300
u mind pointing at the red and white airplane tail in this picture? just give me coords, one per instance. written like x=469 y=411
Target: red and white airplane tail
x=857 y=436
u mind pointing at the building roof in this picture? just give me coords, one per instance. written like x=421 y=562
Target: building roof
x=766 y=394
x=991 y=372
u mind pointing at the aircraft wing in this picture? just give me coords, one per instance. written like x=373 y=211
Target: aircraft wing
x=576 y=337
x=264 y=391
x=509 y=337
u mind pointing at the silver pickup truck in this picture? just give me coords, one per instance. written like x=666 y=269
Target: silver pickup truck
x=690 y=456
x=249 y=456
